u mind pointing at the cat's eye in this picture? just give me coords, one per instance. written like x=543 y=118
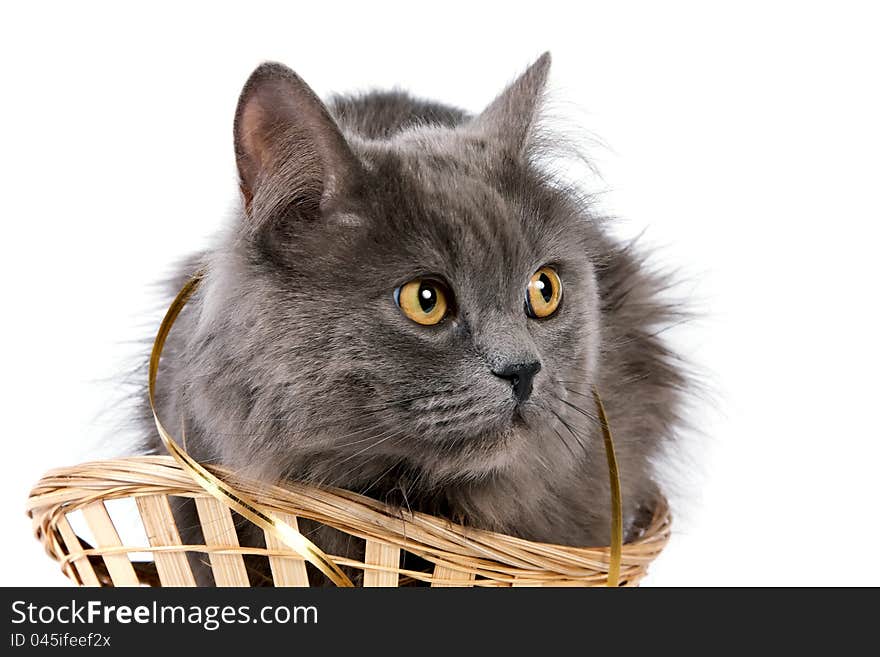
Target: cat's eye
x=424 y=301
x=543 y=293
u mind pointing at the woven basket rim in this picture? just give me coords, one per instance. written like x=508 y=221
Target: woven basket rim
x=65 y=489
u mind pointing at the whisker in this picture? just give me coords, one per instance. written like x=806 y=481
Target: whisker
x=565 y=442
x=592 y=418
x=344 y=476
x=575 y=392
x=381 y=476
x=567 y=426
x=369 y=447
x=362 y=440
x=368 y=407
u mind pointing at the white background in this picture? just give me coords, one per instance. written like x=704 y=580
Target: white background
x=744 y=139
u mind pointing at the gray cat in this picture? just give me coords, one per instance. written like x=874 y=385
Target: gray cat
x=410 y=308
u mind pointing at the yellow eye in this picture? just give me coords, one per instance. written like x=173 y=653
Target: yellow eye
x=543 y=293
x=423 y=301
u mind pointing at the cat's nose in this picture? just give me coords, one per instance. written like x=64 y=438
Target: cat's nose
x=520 y=376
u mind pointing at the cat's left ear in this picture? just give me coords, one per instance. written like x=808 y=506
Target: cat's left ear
x=509 y=120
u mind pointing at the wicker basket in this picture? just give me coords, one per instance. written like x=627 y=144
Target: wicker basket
x=458 y=556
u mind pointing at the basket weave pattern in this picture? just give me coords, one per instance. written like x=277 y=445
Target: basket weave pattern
x=459 y=556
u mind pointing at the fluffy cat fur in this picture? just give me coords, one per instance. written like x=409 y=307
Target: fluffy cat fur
x=294 y=362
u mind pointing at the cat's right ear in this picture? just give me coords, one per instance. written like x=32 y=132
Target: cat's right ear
x=288 y=148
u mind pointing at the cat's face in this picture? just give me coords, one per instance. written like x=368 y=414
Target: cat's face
x=430 y=313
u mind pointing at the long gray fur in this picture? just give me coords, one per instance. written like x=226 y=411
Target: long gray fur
x=293 y=361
